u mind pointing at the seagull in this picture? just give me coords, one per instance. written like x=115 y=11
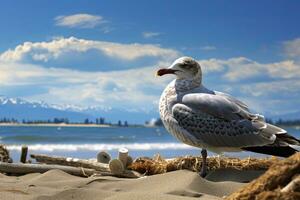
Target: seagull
x=213 y=120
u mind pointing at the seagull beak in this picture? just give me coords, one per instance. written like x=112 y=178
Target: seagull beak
x=164 y=71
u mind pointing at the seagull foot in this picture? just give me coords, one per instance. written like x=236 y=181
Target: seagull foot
x=203 y=173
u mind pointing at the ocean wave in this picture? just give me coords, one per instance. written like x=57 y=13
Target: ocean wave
x=99 y=147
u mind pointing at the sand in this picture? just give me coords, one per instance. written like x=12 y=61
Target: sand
x=181 y=184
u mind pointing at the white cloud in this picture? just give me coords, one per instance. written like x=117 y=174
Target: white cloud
x=208 y=48
x=271 y=97
x=212 y=65
x=288 y=87
x=44 y=51
x=292 y=48
x=241 y=68
x=138 y=88
x=114 y=88
x=150 y=34
x=133 y=88
x=80 y=20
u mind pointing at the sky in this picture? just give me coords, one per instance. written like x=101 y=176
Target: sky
x=105 y=53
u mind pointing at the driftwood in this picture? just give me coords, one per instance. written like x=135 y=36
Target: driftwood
x=100 y=168
x=4 y=154
x=268 y=185
x=20 y=168
x=70 y=162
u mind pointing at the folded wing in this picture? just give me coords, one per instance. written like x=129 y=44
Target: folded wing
x=222 y=121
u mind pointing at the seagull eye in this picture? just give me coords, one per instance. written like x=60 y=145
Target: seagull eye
x=185 y=66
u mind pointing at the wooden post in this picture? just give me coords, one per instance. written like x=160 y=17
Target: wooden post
x=24 y=152
x=123 y=154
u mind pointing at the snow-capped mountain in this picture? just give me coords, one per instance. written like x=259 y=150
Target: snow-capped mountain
x=20 y=109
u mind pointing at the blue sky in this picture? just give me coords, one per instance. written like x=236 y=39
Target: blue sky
x=105 y=53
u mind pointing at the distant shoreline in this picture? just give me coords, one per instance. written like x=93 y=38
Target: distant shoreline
x=57 y=125
x=100 y=125
x=297 y=127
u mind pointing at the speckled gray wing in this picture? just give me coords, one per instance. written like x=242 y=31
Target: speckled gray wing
x=218 y=106
x=232 y=99
x=220 y=123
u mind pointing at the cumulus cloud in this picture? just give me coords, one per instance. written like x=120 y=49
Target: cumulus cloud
x=133 y=88
x=138 y=88
x=241 y=68
x=212 y=65
x=44 y=51
x=292 y=48
x=150 y=34
x=87 y=88
x=265 y=89
x=80 y=20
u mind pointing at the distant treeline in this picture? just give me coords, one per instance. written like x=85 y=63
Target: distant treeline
x=56 y=120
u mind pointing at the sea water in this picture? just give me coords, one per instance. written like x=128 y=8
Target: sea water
x=86 y=142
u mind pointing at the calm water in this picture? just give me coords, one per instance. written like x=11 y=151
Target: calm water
x=85 y=142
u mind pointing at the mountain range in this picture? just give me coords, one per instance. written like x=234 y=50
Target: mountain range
x=20 y=109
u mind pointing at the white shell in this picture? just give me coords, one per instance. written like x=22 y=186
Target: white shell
x=123 y=154
x=116 y=166
x=103 y=157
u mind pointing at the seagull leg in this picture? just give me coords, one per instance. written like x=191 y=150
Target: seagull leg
x=203 y=171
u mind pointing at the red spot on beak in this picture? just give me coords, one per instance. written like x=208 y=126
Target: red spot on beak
x=164 y=71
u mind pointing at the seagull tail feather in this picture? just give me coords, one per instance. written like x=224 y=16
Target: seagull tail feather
x=284 y=145
x=281 y=151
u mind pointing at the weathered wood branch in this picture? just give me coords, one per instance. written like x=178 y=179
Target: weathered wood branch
x=20 y=168
x=75 y=162
x=100 y=168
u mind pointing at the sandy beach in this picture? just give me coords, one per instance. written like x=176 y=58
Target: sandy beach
x=181 y=184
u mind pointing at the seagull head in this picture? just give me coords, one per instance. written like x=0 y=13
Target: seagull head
x=183 y=68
